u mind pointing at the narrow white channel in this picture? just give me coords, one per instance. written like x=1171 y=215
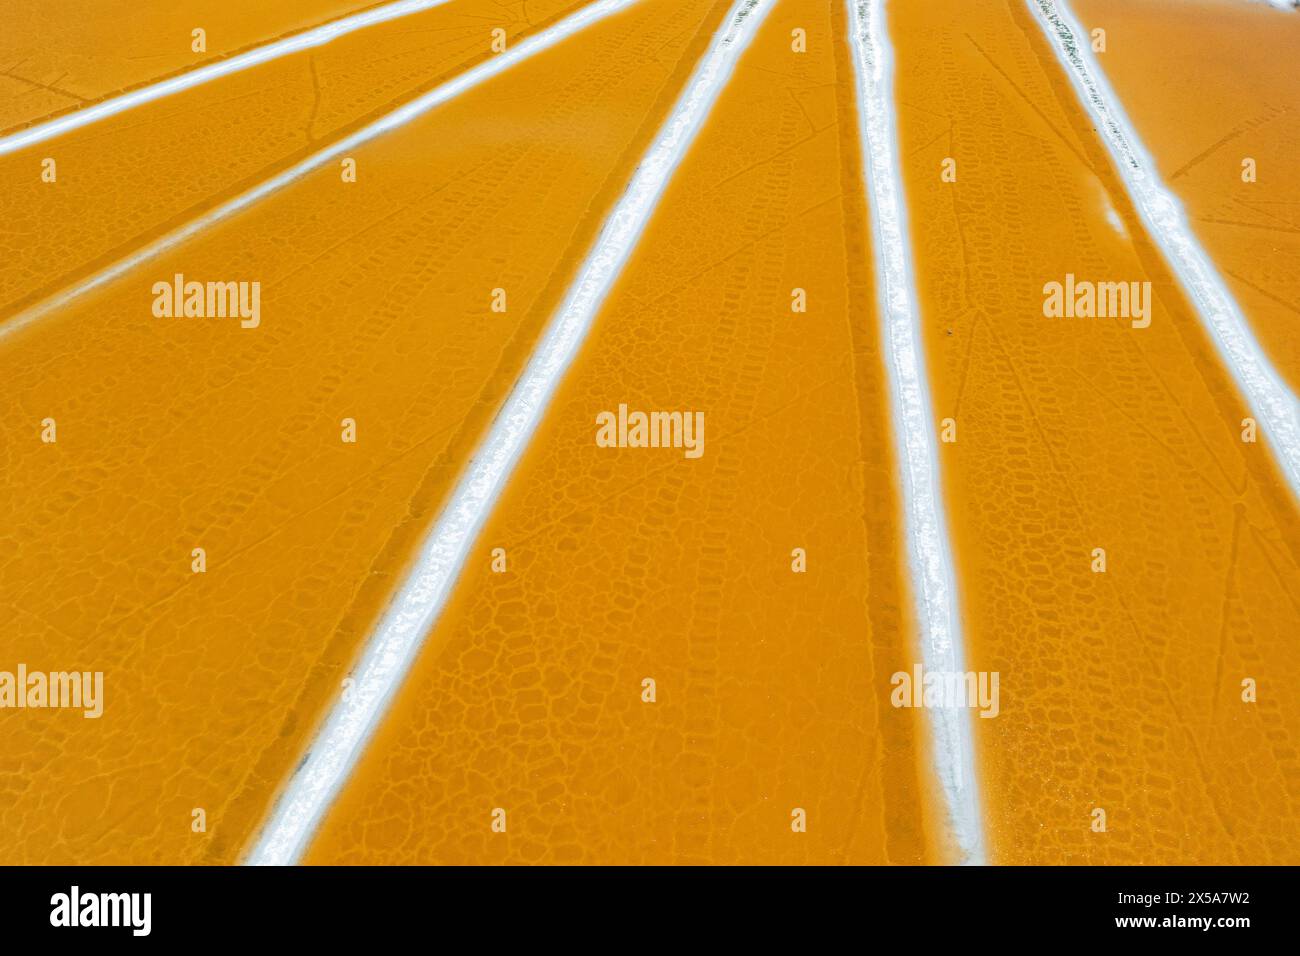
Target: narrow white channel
x=1272 y=403
x=929 y=551
x=316 y=36
x=416 y=606
x=404 y=114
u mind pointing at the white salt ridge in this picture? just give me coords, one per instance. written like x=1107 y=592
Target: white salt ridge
x=316 y=36
x=929 y=550
x=416 y=607
x=390 y=121
x=1271 y=403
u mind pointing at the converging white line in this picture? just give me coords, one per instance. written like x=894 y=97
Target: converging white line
x=415 y=608
x=928 y=547
x=404 y=114
x=316 y=36
x=1273 y=405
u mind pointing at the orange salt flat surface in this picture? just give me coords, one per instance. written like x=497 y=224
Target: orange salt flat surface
x=1120 y=691
x=130 y=178
x=1209 y=85
x=57 y=55
x=650 y=657
x=631 y=563
x=176 y=433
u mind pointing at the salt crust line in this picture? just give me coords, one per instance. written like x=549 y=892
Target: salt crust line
x=1271 y=402
x=314 y=37
x=416 y=607
x=930 y=554
x=390 y=121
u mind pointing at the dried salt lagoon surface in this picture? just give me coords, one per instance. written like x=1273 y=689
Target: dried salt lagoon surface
x=257 y=335
x=1089 y=440
x=60 y=57
x=1211 y=87
x=134 y=176
x=183 y=433
x=769 y=693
